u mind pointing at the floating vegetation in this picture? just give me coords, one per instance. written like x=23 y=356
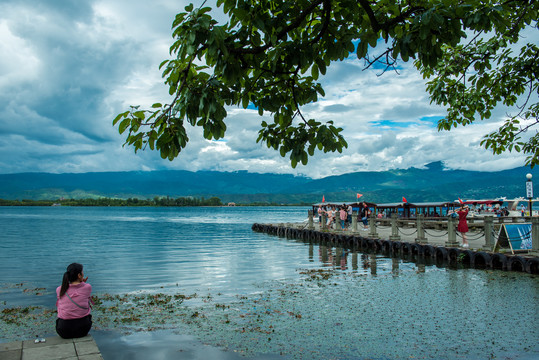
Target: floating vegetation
x=37 y=291
x=328 y=313
x=16 y=314
x=317 y=274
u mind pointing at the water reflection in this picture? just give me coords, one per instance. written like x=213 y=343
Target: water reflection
x=395 y=266
x=346 y=259
x=354 y=260
x=149 y=249
x=431 y=306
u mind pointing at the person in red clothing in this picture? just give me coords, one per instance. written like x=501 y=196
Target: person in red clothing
x=463 y=225
x=73 y=304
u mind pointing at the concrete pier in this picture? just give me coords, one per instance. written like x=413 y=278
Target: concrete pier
x=53 y=348
x=439 y=244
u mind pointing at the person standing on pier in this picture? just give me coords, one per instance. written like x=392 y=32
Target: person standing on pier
x=463 y=225
x=329 y=214
x=343 y=215
x=364 y=215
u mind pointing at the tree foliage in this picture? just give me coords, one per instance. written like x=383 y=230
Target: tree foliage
x=271 y=53
x=156 y=201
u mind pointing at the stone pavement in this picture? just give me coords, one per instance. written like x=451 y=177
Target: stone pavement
x=52 y=348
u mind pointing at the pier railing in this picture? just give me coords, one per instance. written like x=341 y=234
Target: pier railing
x=485 y=226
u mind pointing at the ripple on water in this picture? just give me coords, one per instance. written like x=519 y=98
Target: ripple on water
x=259 y=294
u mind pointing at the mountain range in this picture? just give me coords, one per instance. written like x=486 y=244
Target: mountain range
x=431 y=183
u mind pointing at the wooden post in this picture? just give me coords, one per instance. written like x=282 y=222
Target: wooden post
x=323 y=223
x=394 y=229
x=535 y=236
x=354 y=221
x=311 y=225
x=451 y=233
x=489 y=241
x=372 y=227
x=421 y=239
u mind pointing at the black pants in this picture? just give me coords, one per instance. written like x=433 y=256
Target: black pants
x=74 y=328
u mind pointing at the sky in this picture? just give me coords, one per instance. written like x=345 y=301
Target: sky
x=67 y=68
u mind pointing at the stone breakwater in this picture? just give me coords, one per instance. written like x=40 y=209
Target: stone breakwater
x=437 y=254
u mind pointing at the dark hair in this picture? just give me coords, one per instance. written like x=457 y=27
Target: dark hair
x=71 y=274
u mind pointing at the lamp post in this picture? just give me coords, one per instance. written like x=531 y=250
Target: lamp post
x=529 y=191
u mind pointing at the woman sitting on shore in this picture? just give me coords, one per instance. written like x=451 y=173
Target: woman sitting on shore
x=73 y=304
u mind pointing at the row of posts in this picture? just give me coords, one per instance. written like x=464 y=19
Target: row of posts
x=421 y=239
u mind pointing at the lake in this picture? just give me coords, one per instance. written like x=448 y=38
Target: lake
x=250 y=295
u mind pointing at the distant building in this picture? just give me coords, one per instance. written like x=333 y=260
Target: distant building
x=231 y=204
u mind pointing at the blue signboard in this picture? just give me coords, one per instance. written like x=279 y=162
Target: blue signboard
x=516 y=236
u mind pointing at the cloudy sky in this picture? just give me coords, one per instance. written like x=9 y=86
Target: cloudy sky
x=68 y=67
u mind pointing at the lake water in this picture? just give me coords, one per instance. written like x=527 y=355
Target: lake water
x=154 y=249
x=251 y=295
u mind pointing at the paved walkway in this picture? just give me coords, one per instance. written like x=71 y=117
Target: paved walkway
x=52 y=349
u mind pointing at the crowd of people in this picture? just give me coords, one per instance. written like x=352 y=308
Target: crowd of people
x=343 y=214
x=496 y=210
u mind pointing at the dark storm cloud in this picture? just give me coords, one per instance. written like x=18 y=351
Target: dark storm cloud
x=77 y=71
x=68 y=67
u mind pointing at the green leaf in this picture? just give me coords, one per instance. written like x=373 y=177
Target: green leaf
x=119 y=116
x=123 y=125
x=139 y=114
x=314 y=71
x=362 y=49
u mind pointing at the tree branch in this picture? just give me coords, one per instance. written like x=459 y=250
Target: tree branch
x=325 y=25
x=296 y=23
x=374 y=22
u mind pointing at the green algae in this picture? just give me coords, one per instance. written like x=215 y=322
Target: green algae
x=328 y=313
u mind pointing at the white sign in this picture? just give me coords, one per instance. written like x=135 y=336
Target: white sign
x=529 y=189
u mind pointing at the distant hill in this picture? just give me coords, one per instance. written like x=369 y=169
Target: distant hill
x=433 y=183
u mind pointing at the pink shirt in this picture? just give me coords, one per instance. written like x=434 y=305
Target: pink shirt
x=79 y=293
x=343 y=214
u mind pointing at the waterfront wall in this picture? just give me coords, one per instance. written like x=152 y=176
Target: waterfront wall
x=446 y=253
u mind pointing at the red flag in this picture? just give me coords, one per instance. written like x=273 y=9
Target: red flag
x=359 y=195
x=460 y=201
x=404 y=200
x=323 y=198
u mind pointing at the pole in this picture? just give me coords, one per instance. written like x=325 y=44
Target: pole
x=529 y=191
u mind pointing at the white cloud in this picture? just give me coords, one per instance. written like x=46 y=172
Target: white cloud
x=68 y=68
x=18 y=62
